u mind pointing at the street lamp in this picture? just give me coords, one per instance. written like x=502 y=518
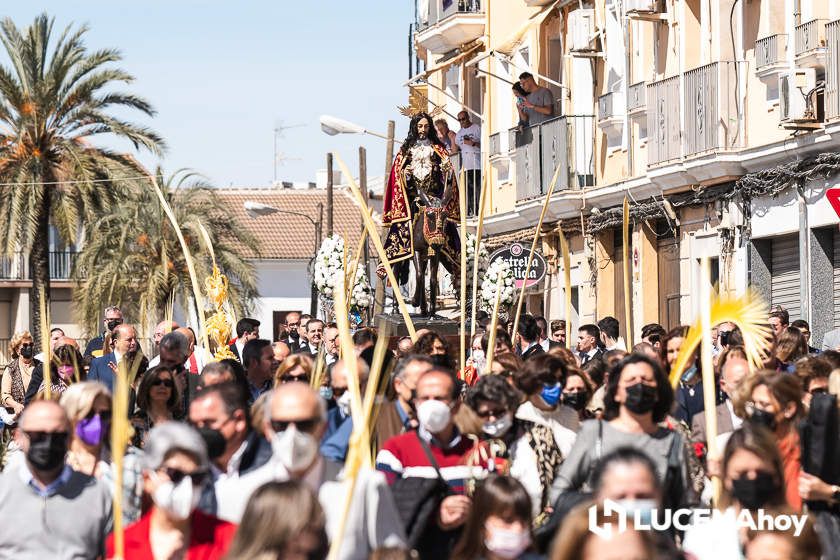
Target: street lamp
x=334 y=125
x=256 y=209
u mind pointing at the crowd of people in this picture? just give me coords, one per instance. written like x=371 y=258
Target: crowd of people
x=244 y=458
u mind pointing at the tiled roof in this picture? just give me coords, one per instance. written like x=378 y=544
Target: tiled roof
x=286 y=236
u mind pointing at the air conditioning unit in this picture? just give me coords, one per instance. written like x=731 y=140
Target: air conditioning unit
x=796 y=103
x=582 y=27
x=644 y=6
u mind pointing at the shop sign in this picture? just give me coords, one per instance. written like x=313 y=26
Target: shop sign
x=517 y=257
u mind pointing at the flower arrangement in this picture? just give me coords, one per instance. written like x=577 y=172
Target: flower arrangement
x=499 y=276
x=329 y=264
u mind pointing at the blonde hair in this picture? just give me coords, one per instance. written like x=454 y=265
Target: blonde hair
x=17 y=341
x=78 y=399
x=292 y=362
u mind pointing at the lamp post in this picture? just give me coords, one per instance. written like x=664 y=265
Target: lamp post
x=257 y=209
x=332 y=126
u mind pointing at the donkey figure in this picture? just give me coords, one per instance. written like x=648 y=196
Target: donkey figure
x=429 y=237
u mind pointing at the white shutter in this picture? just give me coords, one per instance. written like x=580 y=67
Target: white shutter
x=785 y=276
x=837 y=279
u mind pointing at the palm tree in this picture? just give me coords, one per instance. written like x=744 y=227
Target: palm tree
x=56 y=98
x=135 y=260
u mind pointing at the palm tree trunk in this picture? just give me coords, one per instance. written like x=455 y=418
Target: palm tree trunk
x=39 y=264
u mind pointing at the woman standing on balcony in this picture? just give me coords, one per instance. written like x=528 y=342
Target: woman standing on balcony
x=447 y=136
x=18 y=373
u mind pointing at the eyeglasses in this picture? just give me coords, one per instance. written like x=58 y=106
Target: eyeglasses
x=165 y=382
x=293 y=325
x=818 y=391
x=303 y=378
x=462 y=119
x=104 y=415
x=38 y=436
x=307 y=426
x=177 y=475
x=496 y=413
x=27 y=345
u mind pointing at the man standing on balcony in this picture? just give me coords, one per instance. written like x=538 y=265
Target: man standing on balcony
x=469 y=143
x=113 y=318
x=539 y=103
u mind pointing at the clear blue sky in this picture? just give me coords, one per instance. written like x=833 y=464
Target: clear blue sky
x=222 y=74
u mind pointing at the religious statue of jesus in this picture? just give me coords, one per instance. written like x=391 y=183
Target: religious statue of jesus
x=421 y=211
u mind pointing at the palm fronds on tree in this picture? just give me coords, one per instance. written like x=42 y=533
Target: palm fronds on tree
x=132 y=257
x=56 y=99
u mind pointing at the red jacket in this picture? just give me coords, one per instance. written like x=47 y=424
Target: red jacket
x=210 y=539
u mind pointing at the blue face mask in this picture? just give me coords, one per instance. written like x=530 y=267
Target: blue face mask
x=551 y=394
x=326 y=393
x=689 y=374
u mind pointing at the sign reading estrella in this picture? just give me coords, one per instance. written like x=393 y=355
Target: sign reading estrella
x=517 y=257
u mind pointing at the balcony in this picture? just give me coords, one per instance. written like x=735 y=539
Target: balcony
x=449 y=24
x=832 y=70
x=537 y=151
x=610 y=115
x=16 y=266
x=663 y=121
x=538 y=2
x=495 y=144
x=771 y=56
x=711 y=112
x=636 y=101
x=809 y=44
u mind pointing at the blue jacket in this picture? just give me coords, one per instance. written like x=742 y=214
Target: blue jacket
x=336 y=439
x=101 y=371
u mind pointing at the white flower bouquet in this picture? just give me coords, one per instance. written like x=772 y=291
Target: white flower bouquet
x=499 y=277
x=329 y=264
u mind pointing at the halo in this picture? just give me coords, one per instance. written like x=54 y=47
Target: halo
x=407 y=111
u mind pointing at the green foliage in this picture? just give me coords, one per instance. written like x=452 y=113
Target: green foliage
x=56 y=100
x=132 y=258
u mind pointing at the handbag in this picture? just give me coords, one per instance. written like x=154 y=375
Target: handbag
x=417 y=499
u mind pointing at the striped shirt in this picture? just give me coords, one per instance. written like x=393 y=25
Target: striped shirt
x=403 y=456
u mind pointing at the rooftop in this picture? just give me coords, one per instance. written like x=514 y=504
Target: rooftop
x=286 y=236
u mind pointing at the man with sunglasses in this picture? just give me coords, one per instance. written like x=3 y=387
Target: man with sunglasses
x=237 y=453
x=48 y=509
x=295 y=421
x=468 y=139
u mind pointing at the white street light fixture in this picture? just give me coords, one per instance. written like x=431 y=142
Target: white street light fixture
x=333 y=126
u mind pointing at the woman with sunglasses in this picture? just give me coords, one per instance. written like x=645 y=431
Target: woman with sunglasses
x=158 y=401
x=175 y=470
x=18 y=372
x=297 y=367
x=88 y=406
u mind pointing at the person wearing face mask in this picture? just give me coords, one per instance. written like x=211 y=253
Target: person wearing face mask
x=239 y=456
x=295 y=421
x=638 y=397
x=18 y=374
x=175 y=469
x=48 y=509
x=524 y=450
x=88 y=406
x=67 y=368
x=476 y=362
x=774 y=401
x=541 y=381
x=436 y=450
x=398 y=416
x=753 y=479
x=577 y=391
x=112 y=317
x=499 y=525
x=339 y=422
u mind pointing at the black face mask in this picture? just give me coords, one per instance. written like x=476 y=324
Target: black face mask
x=575 y=400
x=754 y=494
x=48 y=453
x=113 y=324
x=294 y=334
x=641 y=398
x=27 y=351
x=214 y=440
x=763 y=418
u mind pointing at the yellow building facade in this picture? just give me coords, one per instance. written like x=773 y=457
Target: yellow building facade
x=717 y=119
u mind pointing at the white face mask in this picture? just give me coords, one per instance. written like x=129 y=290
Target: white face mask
x=506 y=543
x=295 y=450
x=478 y=355
x=499 y=427
x=177 y=500
x=343 y=403
x=434 y=415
